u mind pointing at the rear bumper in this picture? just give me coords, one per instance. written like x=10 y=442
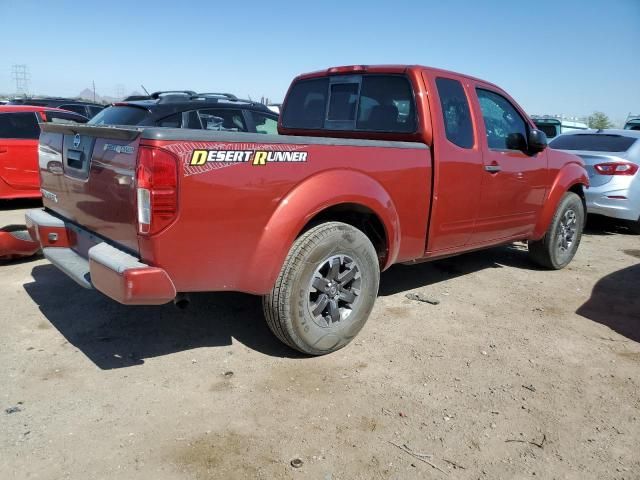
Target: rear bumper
x=614 y=200
x=16 y=243
x=93 y=263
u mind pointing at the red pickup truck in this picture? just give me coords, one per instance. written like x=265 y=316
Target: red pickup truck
x=375 y=165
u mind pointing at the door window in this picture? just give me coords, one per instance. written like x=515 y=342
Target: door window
x=455 y=112
x=505 y=127
x=19 y=125
x=264 y=123
x=226 y=120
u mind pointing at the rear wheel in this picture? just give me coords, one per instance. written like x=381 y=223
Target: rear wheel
x=326 y=289
x=559 y=245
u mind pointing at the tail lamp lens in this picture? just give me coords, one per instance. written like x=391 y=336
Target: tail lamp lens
x=616 y=168
x=156 y=190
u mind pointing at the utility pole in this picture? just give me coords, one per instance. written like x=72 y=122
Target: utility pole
x=94 y=90
x=20 y=74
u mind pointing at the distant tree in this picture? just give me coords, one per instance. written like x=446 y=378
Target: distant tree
x=599 y=120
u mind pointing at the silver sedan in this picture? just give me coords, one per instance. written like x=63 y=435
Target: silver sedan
x=612 y=159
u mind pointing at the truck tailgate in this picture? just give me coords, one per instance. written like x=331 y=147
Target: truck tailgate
x=88 y=177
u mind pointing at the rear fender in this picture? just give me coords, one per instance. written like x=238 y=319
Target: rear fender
x=568 y=176
x=305 y=201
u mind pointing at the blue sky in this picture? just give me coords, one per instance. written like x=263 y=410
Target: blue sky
x=571 y=56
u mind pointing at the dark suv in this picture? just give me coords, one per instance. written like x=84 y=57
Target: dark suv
x=86 y=109
x=187 y=109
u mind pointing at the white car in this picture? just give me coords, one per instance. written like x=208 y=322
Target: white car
x=612 y=159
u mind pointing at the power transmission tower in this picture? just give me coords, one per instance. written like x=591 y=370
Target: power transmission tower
x=120 y=91
x=20 y=74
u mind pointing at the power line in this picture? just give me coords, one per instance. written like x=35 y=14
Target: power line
x=21 y=75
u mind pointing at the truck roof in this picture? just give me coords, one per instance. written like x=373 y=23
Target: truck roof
x=392 y=68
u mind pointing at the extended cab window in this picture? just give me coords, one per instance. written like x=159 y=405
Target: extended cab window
x=370 y=102
x=19 y=125
x=386 y=104
x=503 y=123
x=455 y=112
x=227 y=120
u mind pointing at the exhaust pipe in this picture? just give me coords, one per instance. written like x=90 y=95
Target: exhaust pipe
x=182 y=300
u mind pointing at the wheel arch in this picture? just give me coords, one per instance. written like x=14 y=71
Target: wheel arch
x=364 y=204
x=571 y=178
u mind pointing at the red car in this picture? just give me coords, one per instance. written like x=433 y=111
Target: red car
x=376 y=165
x=19 y=132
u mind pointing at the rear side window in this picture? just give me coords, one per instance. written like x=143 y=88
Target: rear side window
x=264 y=124
x=306 y=104
x=19 y=125
x=376 y=103
x=173 y=121
x=120 y=115
x=62 y=117
x=226 y=120
x=80 y=109
x=93 y=111
x=455 y=112
x=594 y=142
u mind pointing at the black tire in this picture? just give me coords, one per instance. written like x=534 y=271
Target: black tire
x=634 y=227
x=311 y=263
x=554 y=251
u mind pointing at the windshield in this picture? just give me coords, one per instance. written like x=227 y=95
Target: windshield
x=595 y=142
x=119 y=115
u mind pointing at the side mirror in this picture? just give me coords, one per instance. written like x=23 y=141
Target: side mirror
x=516 y=141
x=537 y=141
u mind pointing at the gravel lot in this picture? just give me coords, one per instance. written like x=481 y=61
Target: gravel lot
x=517 y=372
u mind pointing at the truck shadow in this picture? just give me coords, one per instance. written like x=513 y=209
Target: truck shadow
x=614 y=301
x=116 y=336
x=400 y=278
x=19 y=204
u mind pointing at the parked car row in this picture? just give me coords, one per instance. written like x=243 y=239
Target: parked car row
x=19 y=133
x=84 y=108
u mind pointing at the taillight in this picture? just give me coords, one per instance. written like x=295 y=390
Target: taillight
x=156 y=190
x=616 y=168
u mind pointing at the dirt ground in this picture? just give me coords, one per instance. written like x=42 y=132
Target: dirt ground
x=516 y=373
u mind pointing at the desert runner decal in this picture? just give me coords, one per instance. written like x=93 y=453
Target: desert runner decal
x=185 y=152
x=255 y=157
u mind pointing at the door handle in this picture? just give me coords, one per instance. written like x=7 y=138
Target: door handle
x=3 y=150
x=494 y=168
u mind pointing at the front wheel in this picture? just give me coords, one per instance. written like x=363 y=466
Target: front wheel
x=326 y=289
x=558 y=246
